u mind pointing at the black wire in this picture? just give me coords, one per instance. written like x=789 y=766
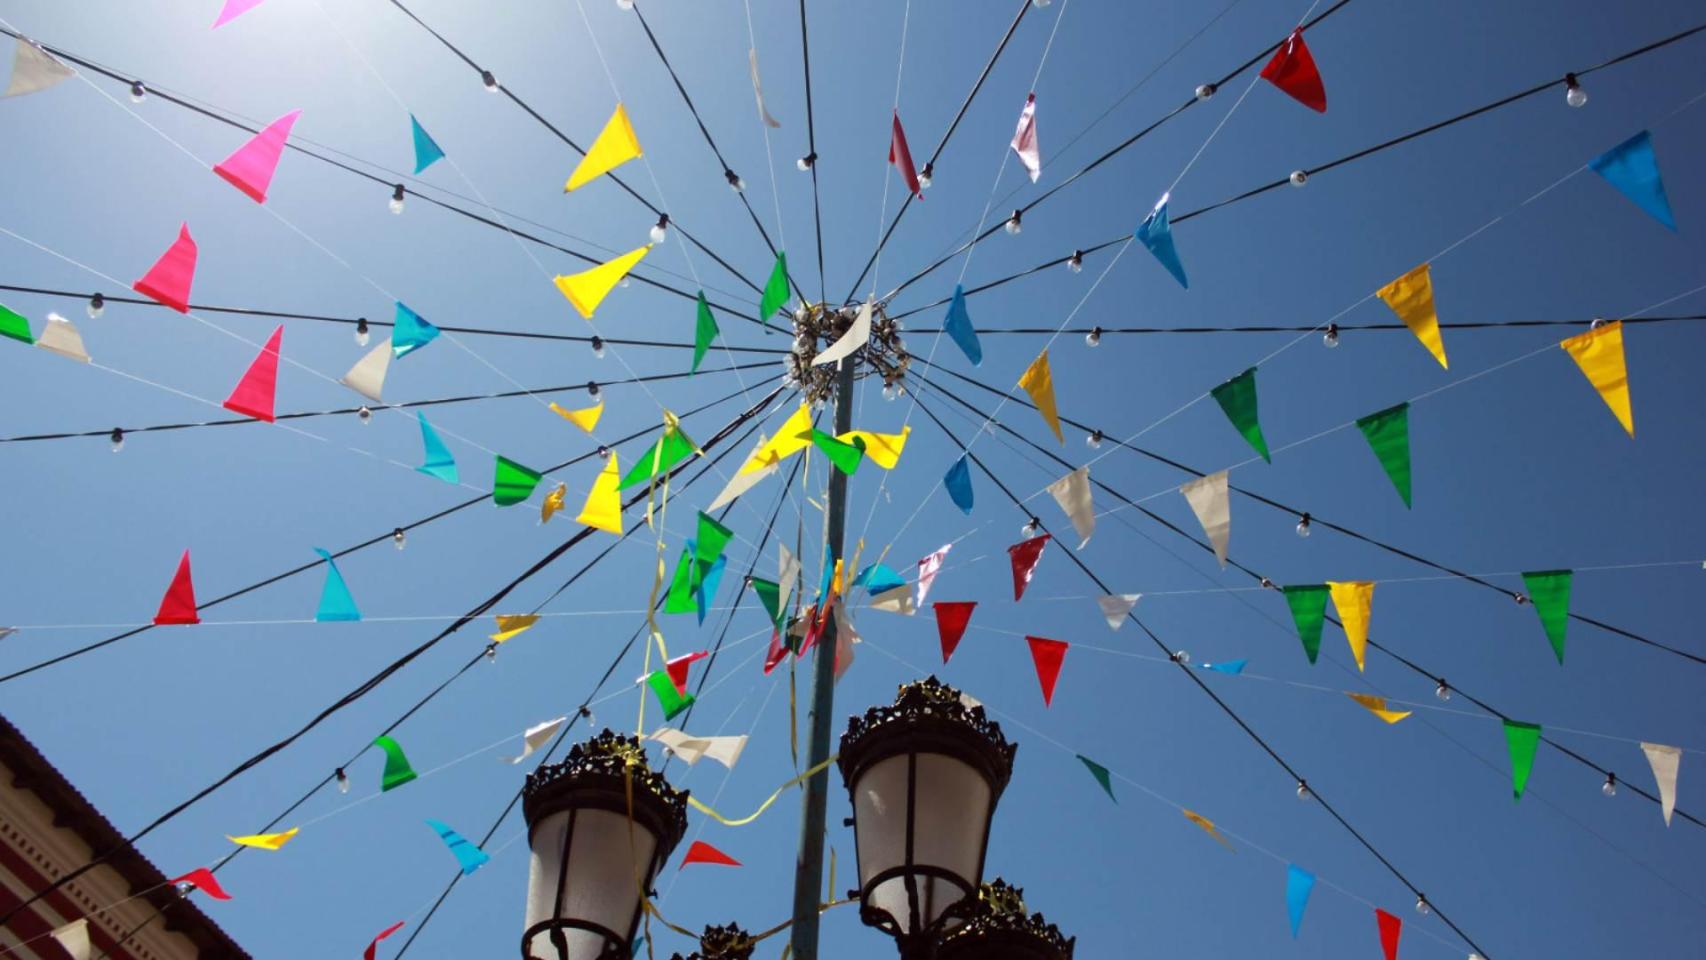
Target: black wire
x=811 y=149
x=1341 y=328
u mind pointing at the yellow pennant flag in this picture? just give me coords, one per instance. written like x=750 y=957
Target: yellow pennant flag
x=1377 y=706
x=1599 y=353
x=1039 y=383
x=1354 y=600
x=615 y=145
x=553 y=502
x=882 y=449
x=603 y=508
x=1411 y=297
x=1208 y=827
x=265 y=841
x=586 y=417
x=795 y=435
x=587 y=289
x=511 y=625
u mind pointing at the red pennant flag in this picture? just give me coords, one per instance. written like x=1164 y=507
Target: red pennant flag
x=1047 y=654
x=178 y=605
x=776 y=654
x=1293 y=71
x=1390 y=928
x=202 y=879
x=1025 y=556
x=168 y=281
x=373 y=947
x=251 y=167
x=951 y=620
x=678 y=669
x=253 y=395
x=702 y=852
x=901 y=156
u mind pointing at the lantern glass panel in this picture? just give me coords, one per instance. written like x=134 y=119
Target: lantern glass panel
x=607 y=864
x=951 y=806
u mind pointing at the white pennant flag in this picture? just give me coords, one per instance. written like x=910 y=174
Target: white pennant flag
x=1209 y=500
x=787 y=571
x=1665 y=762
x=758 y=91
x=1116 y=606
x=60 y=336
x=845 y=638
x=35 y=69
x=1072 y=492
x=856 y=336
x=74 y=937
x=691 y=749
x=895 y=600
x=1025 y=139
x=927 y=570
x=7 y=631
x=740 y=483
x=535 y=738
x=367 y=377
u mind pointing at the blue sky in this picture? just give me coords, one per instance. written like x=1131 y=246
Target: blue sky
x=1520 y=469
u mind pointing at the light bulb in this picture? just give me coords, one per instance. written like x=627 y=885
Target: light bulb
x=1303 y=526
x=1422 y=905
x=1299 y=177
x=117 y=439
x=603 y=451
x=1094 y=440
x=1013 y=223
x=184 y=888
x=491 y=653
x=1330 y=339
x=625 y=4
x=397 y=199
x=623 y=283
x=1574 y=95
x=1041 y=3
x=1205 y=91
x=660 y=230
x=598 y=347
x=137 y=91
x=1609 y=788
x=1031 y=528
x=927 y=175
x=1266 y=584
x=399 y=538
x=490 y=81
x=1075 y=263
x=592 y=389
x=343 y=781
x=1476 y=956
x=1303 y=790
x=1182 y=656
x=97 y=306
x=1443 y=691
x=1094 y=337
x=806 y=162
x=362 y=336
x=891 y=392
x=735 y=182
x=365 y=416
x=56 y=318
x=1597 y=323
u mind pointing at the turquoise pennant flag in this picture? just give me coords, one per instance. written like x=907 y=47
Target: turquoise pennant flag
x=1156 y=233
x=958 y=482
x=410 y=332
x=427 y=152
x=959 y=328
x=1298 y=883
x=336 y=604
x=1230 y=668
x=468 y=855
x=1633 y=168
x=878 y=578
x=435 y=456
x=707 y=590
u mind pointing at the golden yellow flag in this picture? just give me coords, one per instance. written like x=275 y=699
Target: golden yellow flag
x=265 y=841
x=1599 y=353
x=586 y=417
x=1377 y=706
x=511 y=625
x=1411 y=297
x=795 y=435
x=883 y=449
x=553 y=502
x=1354 y=600
x=1039 y=383
x=603 y=508
x=587 y=289
x=615 y=145
x=1208 y=827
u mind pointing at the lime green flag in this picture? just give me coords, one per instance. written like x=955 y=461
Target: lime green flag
x=1238 y=398
x=688 y=573
x=672 y=448
x=1550 y=592
x=770 y=594
x=711 y=540
x=1101 y=774
x=14 y=325
x=1523 y=739
x=704 y=331
x=397 y=769
x=1388 y=433
x=513 y=482
x=845 y=456
x=1308 y=606
x=775 y=289
x=672 y=701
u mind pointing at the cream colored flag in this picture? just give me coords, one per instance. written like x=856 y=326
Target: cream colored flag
x=787 y=571
x=895 y=600
x=74 y=936
x=1072 y=492
x=60 y=336
x=856 y=336
x=1209 y=501
x=1116 y=606
x=740 y=483
x=845 y=638
x=367 y=377
x=795 y=435
x=534 y=738
x=691 y=749
x=758 y=91
x=35 y=69
x=1666 y=762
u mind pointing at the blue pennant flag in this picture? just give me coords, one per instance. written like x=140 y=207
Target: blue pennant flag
x=1157 y=234
x=708 y=587
x=436 y=456
x=1230 y=667
x=828 y=574
x=1298 y=883
x=427 y=152
x=958 y=326
x=336 y=604
x=1633 y=168
x=410 y=332
x=878 y=578
x=958 y=482
x=470 y=856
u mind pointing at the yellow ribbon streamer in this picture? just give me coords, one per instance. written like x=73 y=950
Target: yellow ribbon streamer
x=743 y=821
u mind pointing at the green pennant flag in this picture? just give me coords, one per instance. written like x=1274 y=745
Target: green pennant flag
x=1388 y=432
x=704 y=331
x=14 y=325
x=688 y=573
x=1238 y=398
x=1550 y=592
x=845 y=456
x=1101 y=774
x=670 y=699
x=711 y=540
x=1522 y=739
x=672 y=448
x=770 y=594
x=1308 y=606
x=513 y=482
x=397 y=769
x=775 y=290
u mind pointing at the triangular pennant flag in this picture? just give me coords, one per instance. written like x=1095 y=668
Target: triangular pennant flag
x=1038 y=381
x=34 y=69
x=603 y=507
x=670 y=699
x=671 y=448
x=373 y=948
x=878 y=578
x=202 y=879
x=1231 y=668
x=1237 y=397
x=706 y=591
x=1377 y=706
x=1354 y=601
x=691 y=749
x=704 y=331
x=586 y=417
x=436 y=460
x=1411 y=297
x=958 y=483
x=895 y=600
x=882 y=449
x=535 y=737
x=787 y=572
x=15 y=325
x=367 y=377
x=1116 y=606
x=702 y=852
x=678 y=667
x=265 y=841
x=397 y=770
x=1047 y=655
x=1212 y=504
x=1633 y=168
x=1388 y=434
x=858 y=334
x=1072 y=492
x=1390 y=929
x=777 y=652
x=553 y=502
x=1599 y=353
x=427 y=151
x=410 y=332
x=1549 y=591
x=1025 y=144
x=251 y=167
x=845 y=456
x=1207 y=826
x=467 y=854
x=231 y=11
x=1308 y=603
x=1101 y=774
x=254 y=394
x=951 y=619
x=770 y=594
x=60 y=336
x=794 y=435
x=688 y=573
x=1298 y=884
x=711 y=537
x=587 y=289
x=758 y=91
x=1666 y=763
x=178 y=605
x=958 y=327
x=513 y=483
x=775 y=289
x=1024 y=556
x=1156 y=235
x=336 y=604
x=616 y=145
x=1293 y=71
x=511 y=625
x=927 y=570
x=169 y=280
x=1522 y=739
x=901 y=157
x=73 y=937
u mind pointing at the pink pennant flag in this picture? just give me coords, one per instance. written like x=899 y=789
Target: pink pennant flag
x=250 y=169
x=232 y=10
x=678 y=669
x=1024 y=556
x=776 y=654
x=901 y=156
x=253 y=395
x=168 y=281
x=927 y=570
x=1025 y=139
x=1048 y=656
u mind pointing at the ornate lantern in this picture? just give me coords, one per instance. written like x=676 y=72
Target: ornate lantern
x=601 y=824
x=999 y=929
x=722 y=943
